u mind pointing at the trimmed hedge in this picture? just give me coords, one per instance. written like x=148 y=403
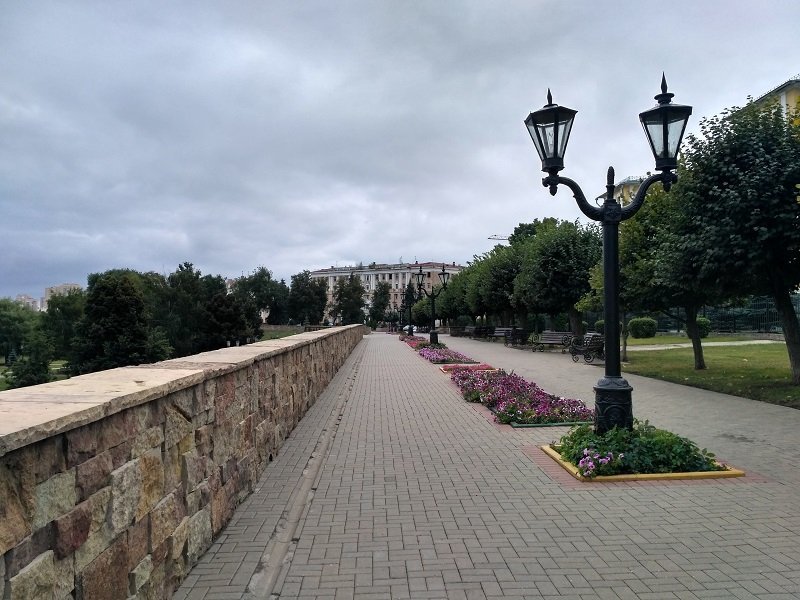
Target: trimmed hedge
x=642 y=327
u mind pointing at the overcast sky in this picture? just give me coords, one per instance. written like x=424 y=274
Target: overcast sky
x=300 y=135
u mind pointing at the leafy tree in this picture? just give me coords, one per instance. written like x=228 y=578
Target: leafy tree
x=307 y=298
x=742 y=215
x=279 y=307
x=555 y=268
x=33 y=367
x=658 y=271
x=348 y=300
x=524 y=231
x=114 y=331
x=380 y=301
x=453 y=301
x=494 y=280
x=64 y=311
x=17 y=323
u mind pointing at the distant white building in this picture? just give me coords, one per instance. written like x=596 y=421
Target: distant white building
x=58 y=290
x=398 y=276
x=28 y=301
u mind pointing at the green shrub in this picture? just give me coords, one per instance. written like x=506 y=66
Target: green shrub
x=643 y=449
x=704 y=325
x=599 y=326
x=642 y=327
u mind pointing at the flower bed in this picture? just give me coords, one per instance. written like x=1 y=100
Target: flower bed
x=515 y=400
x=449 y=368
x=641 y=450
x=444 y=355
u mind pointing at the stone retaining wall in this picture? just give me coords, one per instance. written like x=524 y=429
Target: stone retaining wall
x=113 y=484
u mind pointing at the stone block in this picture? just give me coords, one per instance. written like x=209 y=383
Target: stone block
x=138 y=536
x=21 y=555
x=64 y=578
x=72 y=530
x=152 y=486
x=16 y=504
x=165 y=518
x=200 y=535
x=193 y=469
x=203 y=440
x=121 y=453
x=47 y=458
x=2 y=576
x=106 y=577
x=140 y=575
x=147 y=440
x=176 y=427
x=177 y=564
x=184 y=401
x=100 y=532
x=82 y=444
x=173 y=465
x=53 y=498
x=36 y=581
x=92 y=475
x=126 y=486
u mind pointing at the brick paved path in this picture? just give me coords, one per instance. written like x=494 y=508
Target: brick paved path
x=393 y=487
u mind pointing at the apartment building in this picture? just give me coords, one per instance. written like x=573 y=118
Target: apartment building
x=397 y=276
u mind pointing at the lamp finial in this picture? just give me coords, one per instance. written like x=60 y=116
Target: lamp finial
x=549 y=97
x=663 y=83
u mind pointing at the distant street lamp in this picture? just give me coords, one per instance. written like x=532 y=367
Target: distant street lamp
x=664 y=125
x=444 y=277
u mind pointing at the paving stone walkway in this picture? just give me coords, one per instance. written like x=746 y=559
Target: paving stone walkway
x=393 y=487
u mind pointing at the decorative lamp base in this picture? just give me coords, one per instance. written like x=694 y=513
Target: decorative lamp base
x=613 y=404
x=434 y=337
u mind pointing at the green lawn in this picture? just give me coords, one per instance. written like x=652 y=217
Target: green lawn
x=760 y=372
x=682 y=339
x=274 y=334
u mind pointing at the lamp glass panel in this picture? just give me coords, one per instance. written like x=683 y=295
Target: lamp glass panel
x=655 y=133
x=675 y=126
x=532 y=130
x=564 y=129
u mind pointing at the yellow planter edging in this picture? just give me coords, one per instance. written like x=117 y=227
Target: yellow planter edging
x=575 y=472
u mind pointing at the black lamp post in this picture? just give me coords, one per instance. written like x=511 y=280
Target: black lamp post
x=664 y=125
x=444 y=277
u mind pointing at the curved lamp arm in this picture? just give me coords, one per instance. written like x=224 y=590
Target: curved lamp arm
x=552 y=181
x=666 y=177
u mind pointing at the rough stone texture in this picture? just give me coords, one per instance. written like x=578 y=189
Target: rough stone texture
x=36 y=581
x=72 y=530
x=2 y=577
x=199 y=534
x=16 y=502
x=54 y=497
x=138 y=541
x=100 y=532
x=106 y=577
x=124 y=488
x=140 y=574
x=165 y=518
x=152 y=486
x=93 y=474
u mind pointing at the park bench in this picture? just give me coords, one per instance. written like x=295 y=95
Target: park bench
x=518 y=337
x=457 y=331
x=590 y=346
x=553 y=338
x=500 y=332
x=482 y=332
x=469 y=331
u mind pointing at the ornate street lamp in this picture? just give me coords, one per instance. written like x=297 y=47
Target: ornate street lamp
x=664 y=126
x=444 y=277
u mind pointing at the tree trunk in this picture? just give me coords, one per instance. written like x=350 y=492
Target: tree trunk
x=575 y=321
x=693 y=331
x=791 y=330
x=625 y=334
